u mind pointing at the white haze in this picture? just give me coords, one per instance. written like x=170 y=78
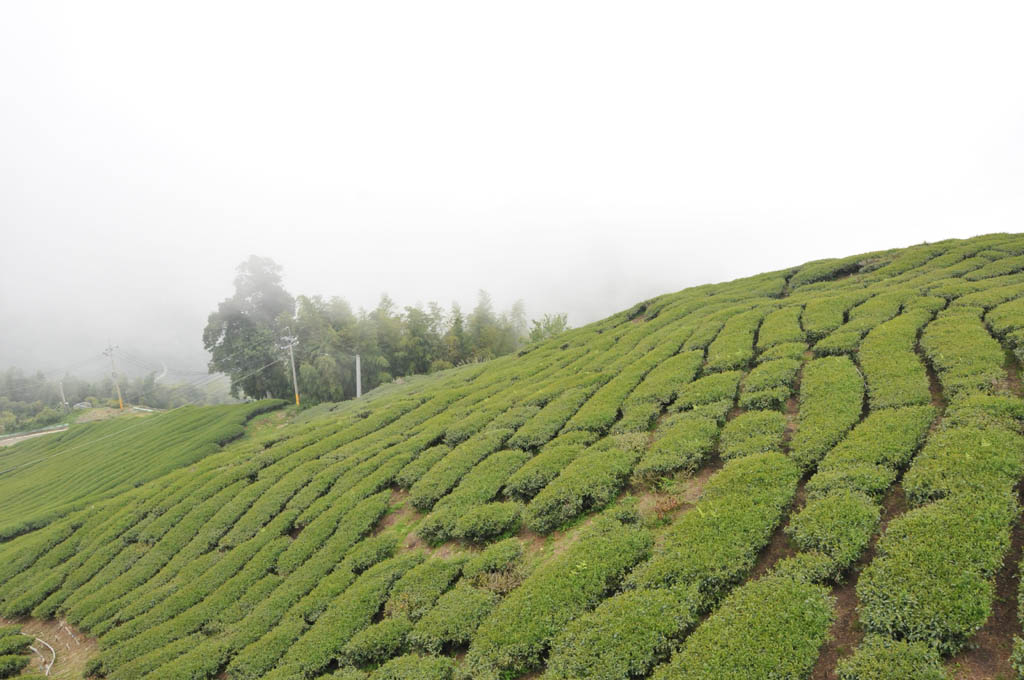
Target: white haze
x=578 y=155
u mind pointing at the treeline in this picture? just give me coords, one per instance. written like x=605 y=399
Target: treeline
x=246 y=334
x=32 y=401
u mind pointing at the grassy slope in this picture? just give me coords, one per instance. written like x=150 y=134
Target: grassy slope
x=278 y=556
x=45 y=478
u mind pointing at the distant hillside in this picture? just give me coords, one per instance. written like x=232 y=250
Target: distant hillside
x=810 y=473
x=44 y=478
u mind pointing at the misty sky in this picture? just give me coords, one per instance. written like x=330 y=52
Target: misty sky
x=578 y=155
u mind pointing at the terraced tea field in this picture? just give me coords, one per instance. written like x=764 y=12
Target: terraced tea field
x=810 y=473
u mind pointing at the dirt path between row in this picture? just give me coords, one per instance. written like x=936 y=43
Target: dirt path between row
x=72 y=647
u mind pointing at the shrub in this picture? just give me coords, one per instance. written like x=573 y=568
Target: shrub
x=539 y=429
x=734 y=346
x=966 y=357
x=416 y=468
x=486 y=522
x=839 y=525
x=888 y=438
x=454 y=619
x=831 y=400
x=419 y=588
x=825 y=270
x=713 y=546
x=637 y=417
x=624 y=637
x=663 y=383
x=965 y=459
x=14 y=644
x=589 y=482
x=810 y=567
x=512 y=640
x=377 y=643
x=447 y=472
x=769 y=628
x=537 y=472
x=787 y=350
x=882 y=658
x=752 y=432
x=683 y=443
x=480 y=485
x=771 y=374
x=601 y=410
x=894 y=373
x=12 y=664
x=780 y=327
x=709 y=389
x=1007 y=265
x=414 y=667
x=825 y=314
x=927 y=583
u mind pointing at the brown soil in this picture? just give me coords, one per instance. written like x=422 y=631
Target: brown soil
x=73 y=647
x=1013 y=383
x=10 y=441
x=989 y=655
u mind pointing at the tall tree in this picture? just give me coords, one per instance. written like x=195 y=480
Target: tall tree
x=243 y=333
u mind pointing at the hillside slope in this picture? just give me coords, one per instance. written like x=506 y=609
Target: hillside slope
x=708 y=485
x=45 y=478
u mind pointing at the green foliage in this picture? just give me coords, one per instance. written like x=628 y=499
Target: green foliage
x=709 y=389
x=12 y=664
x=535 y=474
x=588 y=482
x=787 y=350
x=664 y=382
x=882 y=658
x=734 y=346
x=966 y=357
x=14 y=644
x=486 y=522
x=831 y=400
x=414 y=667
x=839 y=525
x=624 y=637
x=927 y=583
x=549 y=420
x=769 y=384
x=447 y=472
x=894 y=373
x=454 y=619
x=713 y=546
x=683 y=442
x=780 y=327
x=377 y=643
x=100 y=460
x=416 y=468
x=418 y=590
x=514 y=637
x=963 y=460
x=752 y=432
x=770 y=628
x=825 y=314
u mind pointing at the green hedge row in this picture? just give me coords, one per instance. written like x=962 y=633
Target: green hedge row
x=514 y=638
x=713 y=546
x=928 y=584
x=453 y=621
x=417 y=591
x=683 y=442
x=447 y=472
x=708 y=390
x=773 y=627
x=831 y=401
x=881 y=658
x=779 y=327
x=536 y=473
x=868 y=459
x=480 y=485
x=787 y=350
x=416 y=468
x=624 y=637
x=602 y=409
x=769 y=384
x=966 y=357
x=862 y=318
x=589 y=482
x=824 y=314
x=752 y=432
x=414 y=667
x=1001 y=267
x=734 y=346
x=839 y=525
x=486 y=522
x=664 y=382
x=894 y=372
x=549 y=420
x=1007 y=323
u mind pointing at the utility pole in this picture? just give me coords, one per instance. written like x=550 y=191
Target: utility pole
x=109 y=351
x=359 y=378
x=63 y=399
x=292 y=341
